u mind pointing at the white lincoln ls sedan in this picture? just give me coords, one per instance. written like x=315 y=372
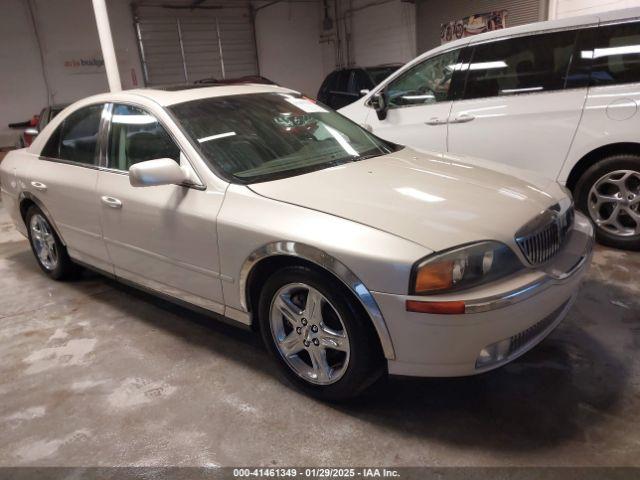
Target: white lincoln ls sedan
x=352 y=255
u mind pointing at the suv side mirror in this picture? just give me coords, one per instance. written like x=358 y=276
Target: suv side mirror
x=379 y=104
x=364 y=92
x=163 y=171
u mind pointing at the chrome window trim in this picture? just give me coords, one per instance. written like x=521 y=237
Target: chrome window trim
x=105 y=166
x=69 y=162
x=329 y=263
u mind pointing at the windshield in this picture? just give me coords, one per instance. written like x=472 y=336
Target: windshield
x=264 y=136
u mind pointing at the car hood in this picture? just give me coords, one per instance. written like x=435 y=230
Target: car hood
x=436 y=200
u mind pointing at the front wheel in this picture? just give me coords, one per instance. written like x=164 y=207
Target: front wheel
x=316 y=331
x=609 y=192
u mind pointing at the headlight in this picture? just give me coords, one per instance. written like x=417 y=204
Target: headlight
x=463 y=267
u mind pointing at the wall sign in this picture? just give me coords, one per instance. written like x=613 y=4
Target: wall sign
x=472 y=25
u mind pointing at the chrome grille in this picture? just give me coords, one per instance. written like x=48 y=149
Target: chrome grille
x=543 y=237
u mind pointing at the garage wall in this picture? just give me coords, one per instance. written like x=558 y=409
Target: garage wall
x=22 y=87
x=570 y=8
x=382 y=33
x=71 y=51
x=186 y=45
x=432 y=13
x=288 y=42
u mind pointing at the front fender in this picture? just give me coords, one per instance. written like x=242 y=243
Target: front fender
x=252 y=228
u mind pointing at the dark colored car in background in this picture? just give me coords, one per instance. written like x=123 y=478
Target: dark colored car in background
x=36 y=124
x=345 y=86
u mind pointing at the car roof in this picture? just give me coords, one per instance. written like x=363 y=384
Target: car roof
x=612 y=15
x=570 y=22
x=174 y=95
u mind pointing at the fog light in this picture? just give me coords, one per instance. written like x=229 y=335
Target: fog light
x=494 y=353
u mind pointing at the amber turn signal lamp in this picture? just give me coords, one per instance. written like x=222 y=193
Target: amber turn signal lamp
x=443 y=308
x=435 y=276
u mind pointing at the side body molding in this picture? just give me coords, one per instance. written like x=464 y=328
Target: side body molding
x=27 y=195
x=329 y=263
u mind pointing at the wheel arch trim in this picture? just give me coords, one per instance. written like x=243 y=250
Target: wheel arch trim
x=594 y=155
x=328 y=263
x=29 y=196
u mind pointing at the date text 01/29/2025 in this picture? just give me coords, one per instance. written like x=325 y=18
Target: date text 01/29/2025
x=315 y=473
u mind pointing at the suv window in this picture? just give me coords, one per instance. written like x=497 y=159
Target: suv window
x=616 y=57
x=76 y=139
x=426 y=83
x=519 y=65
x=136 y=136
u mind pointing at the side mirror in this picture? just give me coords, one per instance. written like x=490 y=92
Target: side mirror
x=379 y=104
x=33 y=131
x=364 y=92
x=163 y=171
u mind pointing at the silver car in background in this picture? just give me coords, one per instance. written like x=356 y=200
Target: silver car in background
x=352 y=255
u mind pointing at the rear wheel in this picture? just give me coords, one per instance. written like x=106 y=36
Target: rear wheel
x=318 y=335
x=609 y=192
x=49 y=251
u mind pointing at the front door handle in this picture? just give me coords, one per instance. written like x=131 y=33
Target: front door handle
x=111 y=202
x=463 y=118
x=39 y=186
x=435 y=121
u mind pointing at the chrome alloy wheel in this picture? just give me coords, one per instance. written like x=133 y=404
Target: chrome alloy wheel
x=614 y=202
x=309 y=333
x=44 y=242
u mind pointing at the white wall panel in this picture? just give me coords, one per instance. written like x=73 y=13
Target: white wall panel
x=289 y=50
x=384 y=33
x=571 y=8
x=207 y=43
x=69 y=37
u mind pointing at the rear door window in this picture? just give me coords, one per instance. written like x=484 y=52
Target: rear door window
x=76 y=139
x=528 y=64
x=616 y=56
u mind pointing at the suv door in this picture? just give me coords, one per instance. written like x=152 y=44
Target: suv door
x=64 y=181
x=162 y=237
x=419 y=101
x=522 y=101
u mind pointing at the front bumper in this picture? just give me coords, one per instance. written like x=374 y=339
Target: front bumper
x=502 y=320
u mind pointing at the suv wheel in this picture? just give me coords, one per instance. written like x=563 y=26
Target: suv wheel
x=609 y=192
x=318 y=335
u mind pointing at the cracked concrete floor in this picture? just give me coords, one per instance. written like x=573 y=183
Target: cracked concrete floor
x=97 y=374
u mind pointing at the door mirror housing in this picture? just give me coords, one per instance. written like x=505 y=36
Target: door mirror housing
x=163 y=171
x=379 y=104
x=364 y=92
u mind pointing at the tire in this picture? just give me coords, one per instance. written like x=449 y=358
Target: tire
x=50 y=253
x=352 y=357
x=617 y=176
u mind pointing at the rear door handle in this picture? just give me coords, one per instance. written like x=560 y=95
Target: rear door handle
x=39 y=186
x=111 y=202
x=463 y=118
x=435 y=121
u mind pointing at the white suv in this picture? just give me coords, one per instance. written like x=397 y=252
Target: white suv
x=560 y=97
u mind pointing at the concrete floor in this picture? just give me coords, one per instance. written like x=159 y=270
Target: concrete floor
x=96 y=374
